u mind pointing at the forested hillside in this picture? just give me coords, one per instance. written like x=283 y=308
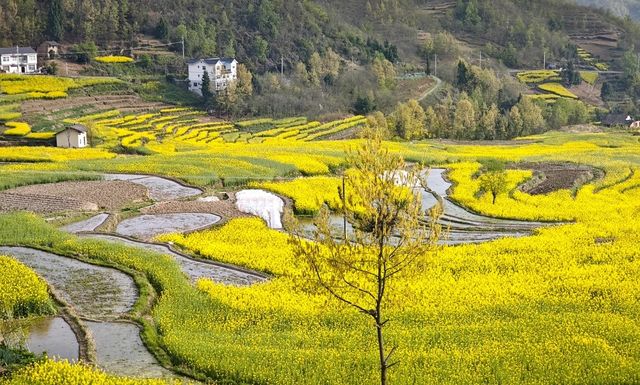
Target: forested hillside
x=261 y=33
x=360 y=56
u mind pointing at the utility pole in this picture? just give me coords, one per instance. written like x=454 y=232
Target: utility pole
x=183 y=47
x=480 y=59
x=344 y=207
x=282 y=66
x=544 y=60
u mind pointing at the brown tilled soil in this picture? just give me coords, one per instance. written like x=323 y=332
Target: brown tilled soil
x=42 y=204
x=550 y=177
x=76 y=196
x=588 y=93
x=225 y=209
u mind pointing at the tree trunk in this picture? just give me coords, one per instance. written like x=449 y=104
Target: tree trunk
x=494 y=198
x=383 y=364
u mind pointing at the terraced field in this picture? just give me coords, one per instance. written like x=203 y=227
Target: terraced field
x=165 y=130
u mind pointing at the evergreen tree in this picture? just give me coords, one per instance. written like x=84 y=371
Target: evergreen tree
x=162 y=29
x=55 y=25
x=463 y=77
x=570 y=75
x=364 y=104
x=606 y=91
x=207 y=95
x=471 y=16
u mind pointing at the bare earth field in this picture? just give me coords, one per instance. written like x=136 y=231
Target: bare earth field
x=76 y=196
x=550 y=177
x=225 y=209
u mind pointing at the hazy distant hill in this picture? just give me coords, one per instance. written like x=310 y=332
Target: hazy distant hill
x=618 y=7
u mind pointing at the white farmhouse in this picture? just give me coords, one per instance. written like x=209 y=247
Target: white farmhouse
x=18 y=60
x=72 y=137
x=222 y=71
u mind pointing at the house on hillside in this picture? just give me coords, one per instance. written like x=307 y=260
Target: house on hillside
x=18 y=60
x=222 y=71
x=613 y=120
x=49 y=50
x=73 y=137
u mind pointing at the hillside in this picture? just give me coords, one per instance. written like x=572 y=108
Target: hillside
x=265 y=32
x=353 y=58
x=617 y=7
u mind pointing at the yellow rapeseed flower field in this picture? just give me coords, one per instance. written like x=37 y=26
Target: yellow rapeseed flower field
x=114 y=59
x=65 y=373
x=22 y=292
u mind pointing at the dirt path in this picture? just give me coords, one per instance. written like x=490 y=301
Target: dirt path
x=434 y=89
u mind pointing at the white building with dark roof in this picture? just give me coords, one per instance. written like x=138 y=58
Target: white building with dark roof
x=72 y=137
x=222 y=71
x=18 y=60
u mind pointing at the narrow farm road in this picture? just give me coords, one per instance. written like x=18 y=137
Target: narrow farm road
x=433 y=89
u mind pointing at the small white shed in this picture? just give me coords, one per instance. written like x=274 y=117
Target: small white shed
x=72 y=137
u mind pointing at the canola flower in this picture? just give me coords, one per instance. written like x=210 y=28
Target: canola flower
x=538 y=76
x=558 y=89
x=6 y=116
x=114 y=59
x=17 y=128
x=308 y=194
x=22 y=292
x=590 y=77
x=65 y=373
x=43 y=86
x=553 y=307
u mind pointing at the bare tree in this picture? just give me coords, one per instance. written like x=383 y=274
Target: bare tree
x=389 y=241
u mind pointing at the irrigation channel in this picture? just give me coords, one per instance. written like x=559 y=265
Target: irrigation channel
x=102 y=296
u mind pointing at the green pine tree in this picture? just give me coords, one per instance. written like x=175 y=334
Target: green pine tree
x=55 y=22
x=207 y=95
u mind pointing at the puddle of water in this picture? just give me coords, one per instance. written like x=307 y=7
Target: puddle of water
x=193 y=269
x=337 y=226
x=95 y=292
x=160 y=189
x=98 y=293
x=149 y=226
x=261 y=204
x=87 y=225
x=436 y=181
x=52 y=336
x=120 y=351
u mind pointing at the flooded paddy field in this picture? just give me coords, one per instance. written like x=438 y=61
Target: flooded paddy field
x=150 y=225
